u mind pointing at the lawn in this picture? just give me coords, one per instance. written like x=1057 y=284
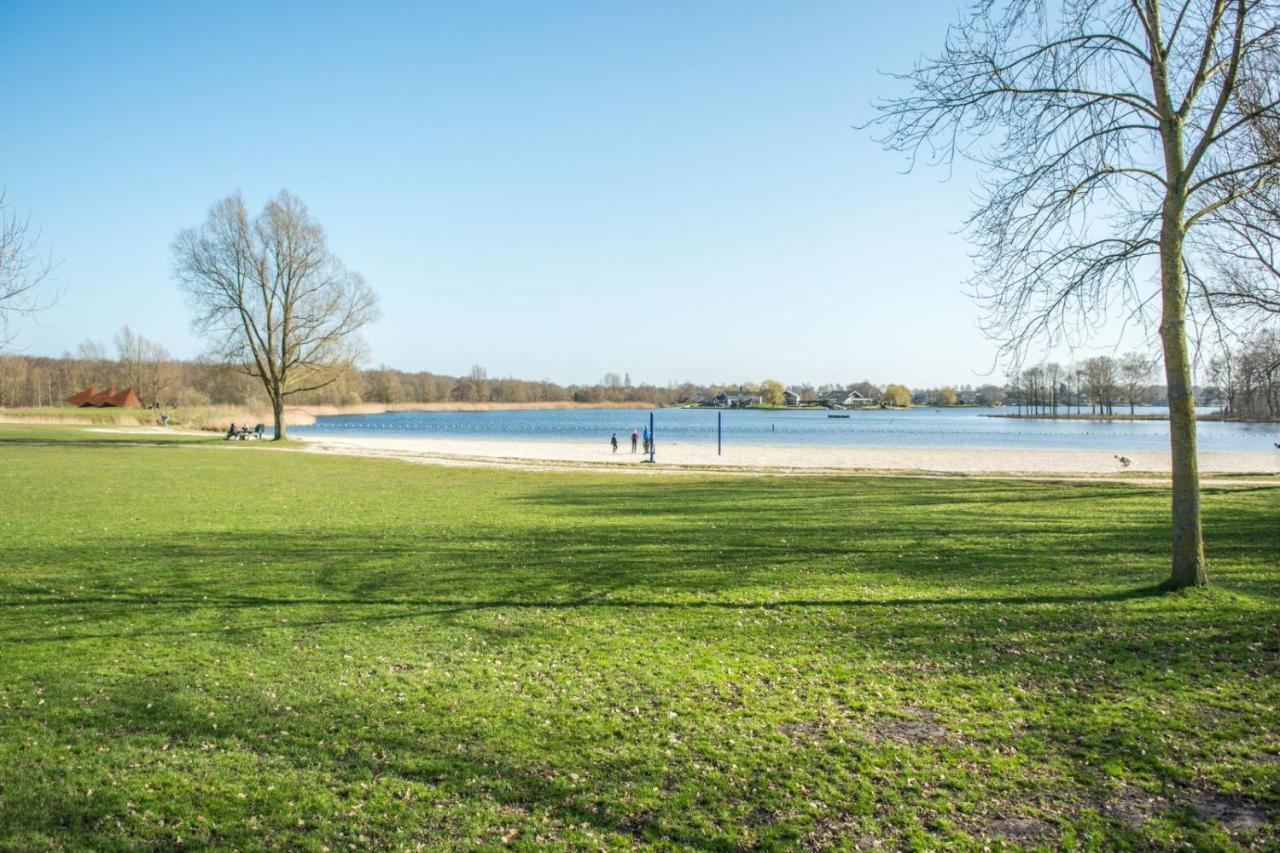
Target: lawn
x=207 y=643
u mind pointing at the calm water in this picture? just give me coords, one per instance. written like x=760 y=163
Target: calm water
x=917 y=427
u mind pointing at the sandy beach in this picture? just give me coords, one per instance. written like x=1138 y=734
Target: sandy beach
x=542 y=454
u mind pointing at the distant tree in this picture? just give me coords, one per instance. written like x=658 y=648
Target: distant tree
x=771 y=393
x=867 y=389
x=1135 y=371
x=1077 y=377
x=1249 y=376
x=1033 y=384
x=1102 y=383
x=13 y=380
x=946 y=396
x=91 y=364
x=146 y=366
x=990 y=395
x=478 y=382
x=1053 y=383
x=22 y=271
x=897 y=395
x=271 y=298
x=383 y=386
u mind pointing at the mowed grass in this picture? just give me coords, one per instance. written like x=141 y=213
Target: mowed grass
x=205 y=643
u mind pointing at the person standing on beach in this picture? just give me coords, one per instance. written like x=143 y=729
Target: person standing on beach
x=635 y=439
x=646 y=439
x=614 y=442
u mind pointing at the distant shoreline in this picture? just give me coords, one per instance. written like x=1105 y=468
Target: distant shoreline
x=1082 y=416
x=383 y=408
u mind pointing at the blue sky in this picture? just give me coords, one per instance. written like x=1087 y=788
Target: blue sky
x=550 y=190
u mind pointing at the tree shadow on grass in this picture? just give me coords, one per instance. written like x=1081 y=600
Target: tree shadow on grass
x=663 y=545
x=461 y=758
x=117 y=443
x=976 y=581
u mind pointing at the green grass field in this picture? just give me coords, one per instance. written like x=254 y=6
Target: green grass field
x=212 y=644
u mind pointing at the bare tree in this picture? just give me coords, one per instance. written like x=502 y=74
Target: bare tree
x=147 y=367
x=1053 y=380
x=1249 y=377
x=1135 y=376
x=271 y=298
x=1101 y=383
x=1108 y=131
x=22 y=271
x=478 y=382
x=1033 y=387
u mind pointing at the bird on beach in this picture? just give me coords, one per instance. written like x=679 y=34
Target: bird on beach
x=1124 y=461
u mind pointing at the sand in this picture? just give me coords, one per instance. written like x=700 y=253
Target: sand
x=688 y=456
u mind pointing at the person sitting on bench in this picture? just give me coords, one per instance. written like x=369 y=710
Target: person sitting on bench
x=231 y=431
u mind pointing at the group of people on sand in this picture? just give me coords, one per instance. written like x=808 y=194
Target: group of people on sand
x=636 y=437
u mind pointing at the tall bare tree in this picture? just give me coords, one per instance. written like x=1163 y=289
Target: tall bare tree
x=22 y=271
x=1107 y=131
x=271 y=298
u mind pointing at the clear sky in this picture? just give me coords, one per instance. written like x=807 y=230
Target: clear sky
x=551 y=190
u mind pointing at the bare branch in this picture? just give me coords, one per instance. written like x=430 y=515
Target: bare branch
x=22 y=272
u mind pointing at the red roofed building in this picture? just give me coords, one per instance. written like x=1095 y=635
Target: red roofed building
x=82 y=398
x=125 y=399
x=100 y=399
x=110 y=398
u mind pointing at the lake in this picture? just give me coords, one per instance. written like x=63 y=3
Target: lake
x=973 y=428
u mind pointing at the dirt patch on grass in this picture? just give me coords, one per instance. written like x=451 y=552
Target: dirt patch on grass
x=1235 y=814
x=1020 y=829
x=838 y=832
x=807 y=731
x=917 y=726
x=1132 y=806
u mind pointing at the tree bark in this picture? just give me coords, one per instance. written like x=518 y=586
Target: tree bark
x=277 y=411
x=1188 y=538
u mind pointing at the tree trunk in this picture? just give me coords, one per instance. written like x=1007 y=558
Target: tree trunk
x=277 y=411
x=1188 y=538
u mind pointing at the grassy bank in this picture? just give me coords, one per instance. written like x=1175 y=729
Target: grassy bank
x=210 y=418
x=216 y=418
x=213 y=643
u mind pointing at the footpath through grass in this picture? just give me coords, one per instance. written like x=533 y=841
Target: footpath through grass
x=231 y=644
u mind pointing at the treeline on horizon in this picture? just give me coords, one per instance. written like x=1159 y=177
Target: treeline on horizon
x=36 y=381
x=1245 y=380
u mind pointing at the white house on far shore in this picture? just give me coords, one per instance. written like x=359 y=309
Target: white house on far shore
x=846 y=399
x=735 y=399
